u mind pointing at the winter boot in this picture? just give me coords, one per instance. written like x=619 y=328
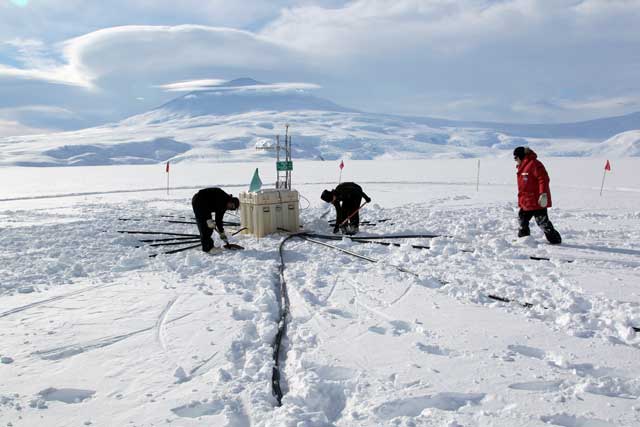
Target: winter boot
x=352 y=229
x=548 y=229
x=524 y=232
x=553 y=237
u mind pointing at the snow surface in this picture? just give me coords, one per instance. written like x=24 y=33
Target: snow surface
x=94 y=332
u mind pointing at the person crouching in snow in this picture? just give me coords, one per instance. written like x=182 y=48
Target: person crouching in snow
x=534 y=196
x=346 y=198
x=208 y=201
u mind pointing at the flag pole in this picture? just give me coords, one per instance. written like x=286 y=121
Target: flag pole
x=607 y=167
x=478 y=177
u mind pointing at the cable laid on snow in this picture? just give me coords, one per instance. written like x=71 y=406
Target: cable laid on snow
x=166 y=239
x=157 y=232
x=363 y=240
x=183 y=239
x=284 y=300
x=174 y=243
x=175 y=221
x=404 y=270
x=175 y=251
x=282 y=322
x=284 y=305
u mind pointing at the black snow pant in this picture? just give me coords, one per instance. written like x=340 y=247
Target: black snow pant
x=542 y=219
x=202 y=215
x=343 y=212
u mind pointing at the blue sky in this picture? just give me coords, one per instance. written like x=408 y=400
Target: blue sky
x=75 y=63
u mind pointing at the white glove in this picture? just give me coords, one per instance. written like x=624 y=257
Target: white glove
x=543 y=201
x=211 y=224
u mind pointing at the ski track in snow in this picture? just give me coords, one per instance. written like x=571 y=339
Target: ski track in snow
x=82 y=347
x=160 y=323
x=339 y=303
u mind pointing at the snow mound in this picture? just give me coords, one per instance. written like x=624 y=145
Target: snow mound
x=625 y=144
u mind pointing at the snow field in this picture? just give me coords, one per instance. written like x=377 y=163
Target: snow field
x=100 y=334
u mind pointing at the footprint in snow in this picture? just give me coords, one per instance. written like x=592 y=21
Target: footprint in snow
x=414 y=406
x=339 y=313
x=524 y=350
x=231 y=410
x=566 y=420
x=433 y=349
x=197 y=409
x=66 y=395
x=544 y=386
x=243 y=314
x=377 y=330
x=400 y=327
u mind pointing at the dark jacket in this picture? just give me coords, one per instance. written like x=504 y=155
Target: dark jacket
x=349 y=192
x=533 y=180
x=208 y=201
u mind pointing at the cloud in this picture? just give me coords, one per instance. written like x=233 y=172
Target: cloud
x=508 y=60
x=512 y=51
x=150 y=53
x=222 y=85
x=11 y=128
x=192 y=85
x=55 y=20
x=118 y=70
x=160 y=50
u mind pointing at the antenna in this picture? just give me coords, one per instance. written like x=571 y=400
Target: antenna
x=283 y=167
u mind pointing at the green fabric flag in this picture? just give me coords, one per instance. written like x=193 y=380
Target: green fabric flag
x=256 y=183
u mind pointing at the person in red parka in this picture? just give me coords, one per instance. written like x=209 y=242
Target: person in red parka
x=534 y=196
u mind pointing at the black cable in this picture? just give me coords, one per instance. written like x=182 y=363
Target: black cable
x=282 y=323
x=175 y=250
x=181 y=242
x=166 y=239
x=158 y=232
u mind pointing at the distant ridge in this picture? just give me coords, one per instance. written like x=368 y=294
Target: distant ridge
x=590 y=129
x=226 y=122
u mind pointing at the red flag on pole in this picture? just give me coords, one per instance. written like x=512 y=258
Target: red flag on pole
x=167 y=168
x=341 y=164
x=607 y=166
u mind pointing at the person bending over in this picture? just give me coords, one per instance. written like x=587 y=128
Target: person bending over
x=212 y=201
x=346 y=198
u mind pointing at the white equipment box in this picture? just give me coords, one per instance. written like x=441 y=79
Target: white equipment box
x=269 y=211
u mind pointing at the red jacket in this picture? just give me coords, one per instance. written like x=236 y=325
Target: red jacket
x=533 y=180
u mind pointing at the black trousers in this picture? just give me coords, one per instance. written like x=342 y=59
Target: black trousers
x=202 y=215
x=343 y=212
x=542 y=219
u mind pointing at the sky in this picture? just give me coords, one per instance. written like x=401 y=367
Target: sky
x=72 y=64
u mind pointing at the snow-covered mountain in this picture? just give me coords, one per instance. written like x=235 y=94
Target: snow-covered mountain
x=625 y=144
x=242 y=96
x=227 y=122
x=597 y=129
